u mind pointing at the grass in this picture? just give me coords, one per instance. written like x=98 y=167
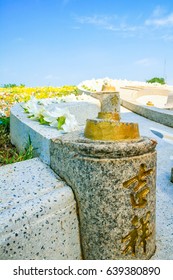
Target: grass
x=8 y=152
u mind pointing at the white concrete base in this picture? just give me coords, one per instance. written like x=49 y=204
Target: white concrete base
x=38 y=217
x=22 y=128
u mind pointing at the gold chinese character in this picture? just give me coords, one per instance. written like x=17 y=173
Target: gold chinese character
x=139 y=183
x=138 y=236
x=144 y=231
x=132 y=237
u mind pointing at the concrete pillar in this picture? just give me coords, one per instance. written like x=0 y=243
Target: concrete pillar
x=110 y=100
x=114 y=185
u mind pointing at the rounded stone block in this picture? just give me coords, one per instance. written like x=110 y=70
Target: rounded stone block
x=114 y=185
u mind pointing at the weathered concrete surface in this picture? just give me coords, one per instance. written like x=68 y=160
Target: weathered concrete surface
x=162 y=116
x=114 y=185
x=38 y=217
x=22 y=128
x=169 y=103
x=164 y=190
x=158 y=115
x=110 y=101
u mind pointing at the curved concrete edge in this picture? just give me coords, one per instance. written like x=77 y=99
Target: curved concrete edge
x=23 y=129
x=155 y=114
x=38 y=217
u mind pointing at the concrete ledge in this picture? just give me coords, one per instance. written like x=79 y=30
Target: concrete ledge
x=155 y=114
x=22 y=128
x=128 y=100
x=38 y=217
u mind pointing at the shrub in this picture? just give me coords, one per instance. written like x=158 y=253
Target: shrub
x=157 y=80
x=12 y=85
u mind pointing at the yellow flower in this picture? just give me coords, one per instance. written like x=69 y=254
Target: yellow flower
x=9 y=96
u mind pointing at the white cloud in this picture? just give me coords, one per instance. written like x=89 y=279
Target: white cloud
x=145 y=62
x=125 y=28
x=112 y=23
x=97 y=20
x=164 y=21
x=167 y=37
x=157 y=19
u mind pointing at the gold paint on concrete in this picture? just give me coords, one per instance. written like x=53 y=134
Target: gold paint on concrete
x=139 y=200
x=108 y=130
x=109 y=116
x=107 y=127
x=150 y=103
x=115 y=99
x=108 y=88
x=131 y=238
x=138 y=236
x=140 y=188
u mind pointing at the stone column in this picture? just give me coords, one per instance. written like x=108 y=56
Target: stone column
x=114 y=185
x=110 y=100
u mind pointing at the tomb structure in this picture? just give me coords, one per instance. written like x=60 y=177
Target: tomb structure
x=112 y=171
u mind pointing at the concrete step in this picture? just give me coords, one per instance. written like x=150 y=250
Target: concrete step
x=38 y=217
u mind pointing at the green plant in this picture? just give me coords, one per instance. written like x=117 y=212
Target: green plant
x=9 y=85
x=12 y=85
x=157 y=80
x=28 y=153
x=5 y=122
x=8 y=152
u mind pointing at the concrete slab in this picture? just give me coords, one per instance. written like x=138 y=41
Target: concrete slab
x=22 y=128
x=38 y=217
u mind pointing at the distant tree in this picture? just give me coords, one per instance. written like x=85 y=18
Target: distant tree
x=9 y=85
x=157 y=80
x=22 y=85
x=12 y=85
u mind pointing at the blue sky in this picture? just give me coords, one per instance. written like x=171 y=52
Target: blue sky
x=58 y=42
